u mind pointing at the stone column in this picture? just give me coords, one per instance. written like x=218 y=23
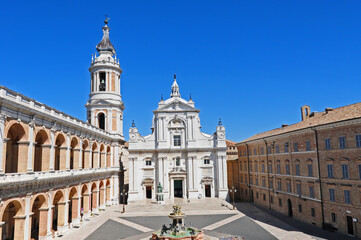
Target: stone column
x=131 y=177
x=43 y=221
x=31 y=147
x=98 y=157
x=111 y=156
x=2 y=145
x=27 y=219
x=190 y=173
x=116 y=188
x=116 y=156
x=52 y=160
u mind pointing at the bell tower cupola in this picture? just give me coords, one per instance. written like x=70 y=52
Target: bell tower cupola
x=105 y=106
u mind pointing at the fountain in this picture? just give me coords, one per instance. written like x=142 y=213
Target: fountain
x=177 y=230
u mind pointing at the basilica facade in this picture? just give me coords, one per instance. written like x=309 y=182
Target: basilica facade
x=56 y=171
x=186 y=162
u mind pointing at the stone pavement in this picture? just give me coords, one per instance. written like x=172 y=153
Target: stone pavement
x=214 y=216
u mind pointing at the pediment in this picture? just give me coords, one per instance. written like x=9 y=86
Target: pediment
x=176 y=106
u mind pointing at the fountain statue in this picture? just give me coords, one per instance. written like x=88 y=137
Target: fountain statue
x=177 y=229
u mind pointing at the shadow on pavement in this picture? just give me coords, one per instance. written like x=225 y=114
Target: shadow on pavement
x=257 y=212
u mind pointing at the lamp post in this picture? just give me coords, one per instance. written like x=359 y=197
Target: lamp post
x=124 y=194
x=233 y=190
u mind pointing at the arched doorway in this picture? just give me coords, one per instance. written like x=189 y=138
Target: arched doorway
x=289 y=205
x=13 y=227
x=84 y=199
x=39 y=156
x=39 y=218
x=58 y=211
x=15 y=134
x=60 y=153
x=101 y=193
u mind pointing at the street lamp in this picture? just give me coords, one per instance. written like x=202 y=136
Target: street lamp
x=233 y=190
x=124 y=194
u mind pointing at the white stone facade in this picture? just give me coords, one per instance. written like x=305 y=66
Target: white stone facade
x=187 y=162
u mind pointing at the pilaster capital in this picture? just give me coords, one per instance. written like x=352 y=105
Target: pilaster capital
x=2 y=118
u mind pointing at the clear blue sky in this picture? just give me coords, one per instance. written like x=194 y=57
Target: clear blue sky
x=252 y=63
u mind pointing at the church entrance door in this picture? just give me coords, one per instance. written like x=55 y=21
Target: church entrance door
x=207 y=189
x=149 y=192
x=178 y=188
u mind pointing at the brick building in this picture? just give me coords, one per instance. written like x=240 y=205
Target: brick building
x=310 y=170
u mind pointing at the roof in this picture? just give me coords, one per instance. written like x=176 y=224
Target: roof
x=230 y=143
x=315 y=119
x=105 y=44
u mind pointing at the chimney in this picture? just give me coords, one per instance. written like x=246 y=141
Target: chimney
x=328 y=110
x=305 y=112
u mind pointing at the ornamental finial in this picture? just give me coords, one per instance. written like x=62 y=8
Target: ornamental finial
x=133 y=124
x=220 y=122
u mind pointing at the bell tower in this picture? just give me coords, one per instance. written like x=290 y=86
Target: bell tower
x=105 y=106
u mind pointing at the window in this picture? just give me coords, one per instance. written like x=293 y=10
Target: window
x=101 y=121
x=313 y=213
x=330 y=170
x=298 y=185
x=261 y=150
x=309 y=167
x=177 y=140
x=256 y=167
x=240 y=166
x=256 y=181
x=263 y=167
x=288 y=187
x=347 y=195
x=177 y=161
x=277 y=149
x=245 y=166
x=271 y=184
x=244 y=152
x=257 y=195
x=308 y=146
x=359 y=171
x=264 y=197
x=333 y=217
x=280 y=202
x=241 y=178
x=358 y=140
x=298 y=170
x=148 y=163
x=287 y=169
x=327 y=144
x=299 y=208
x=270 y=167
x=312 y=194
x=255 y=151
x=286 y=147
x=278 y=168
x=342 y=142
x=295 y=147
x=269 y=150
x=207 y=161
x=263 y=182
x=102 y=84
x=272 y=199
x=279 y=185
x=250 y=167
x=331 y=191
x=245 y=179
x=251 y=180
x=344 y=171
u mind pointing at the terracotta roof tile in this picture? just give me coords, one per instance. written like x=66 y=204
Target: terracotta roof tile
x=319 y=118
